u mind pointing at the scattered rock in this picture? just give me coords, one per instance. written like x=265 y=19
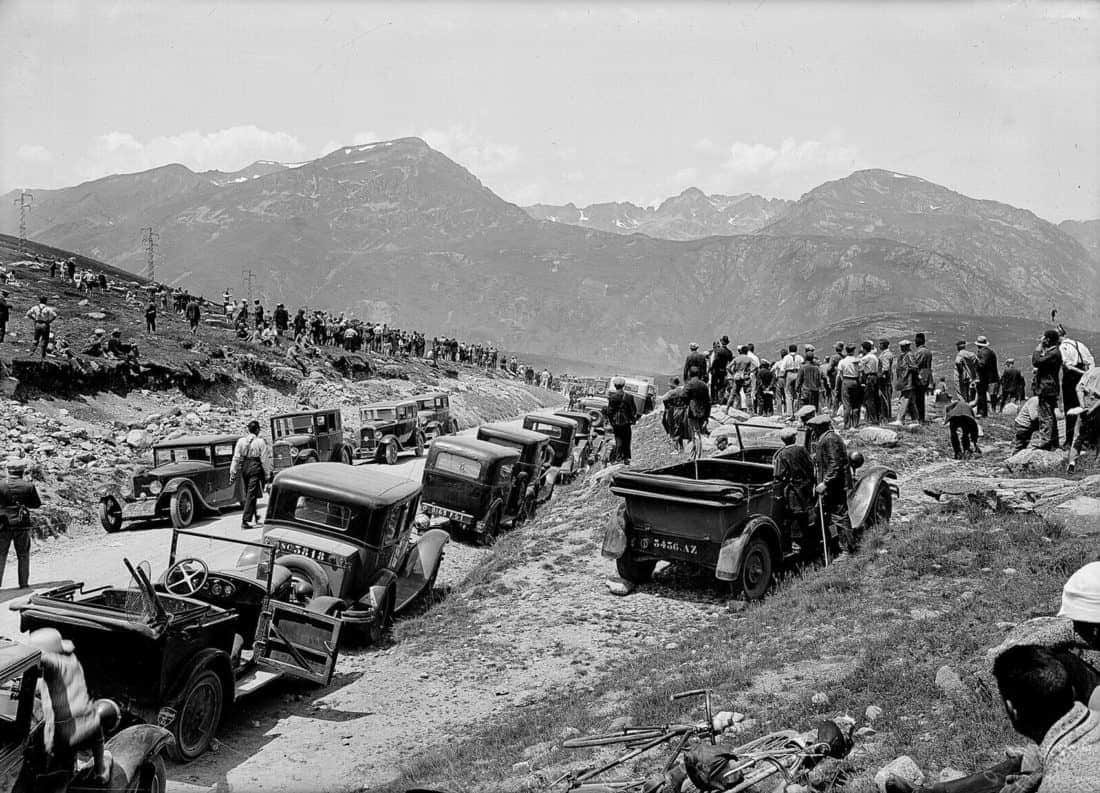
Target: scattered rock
x=948 y=681
x=619 y=586
x=522 y=767
x=872 y=714
x=902 y=767
x=878 y=436
x=1078 y=517
x=1011 y=409
x=820 y=699
x=139 y=439
x=569 y=732
x=1038 y=461
x=866 y=732
x=622 y=722
x=948 y=774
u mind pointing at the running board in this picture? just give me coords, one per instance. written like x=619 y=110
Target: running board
x=254 y=680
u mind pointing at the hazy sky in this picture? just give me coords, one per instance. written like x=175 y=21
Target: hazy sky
x=561 y=102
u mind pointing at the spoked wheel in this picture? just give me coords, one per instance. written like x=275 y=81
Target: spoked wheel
x=391 y=454
x=756 y=569
x=418 y=450
x=377 y=629
x=110 y=514
x=490 y=528
x=198 y=716
x=182 y=508
x=153 y=776
x=345 y=456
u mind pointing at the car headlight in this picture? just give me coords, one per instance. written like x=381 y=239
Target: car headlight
x=155 y=487
x=377 y=435
x=422 y=522
x=293 y=451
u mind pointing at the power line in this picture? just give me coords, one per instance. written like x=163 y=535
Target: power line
x=25 y=202
x=150 y=240
x=248 y=277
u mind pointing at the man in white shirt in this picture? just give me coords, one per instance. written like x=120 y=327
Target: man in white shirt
x=788 y=369
x=1088 y=395
x=253 y=463
x=851 y=393
x=1076 y=360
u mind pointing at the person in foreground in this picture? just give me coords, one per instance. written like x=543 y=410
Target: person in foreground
x=253 y=463
x=834 y=480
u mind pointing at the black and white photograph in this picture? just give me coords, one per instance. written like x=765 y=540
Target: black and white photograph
x=617 y=396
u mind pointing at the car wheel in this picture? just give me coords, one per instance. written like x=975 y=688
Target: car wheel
x=633 y=569
x=377 y=629
x=152 y=776
x=200 y=710
x=490 y=527
x=182 y=508
x=756 y=569
x=882 y=509
x=391 y=453
x=110 y=514
x=419 y=448
x=345 y=456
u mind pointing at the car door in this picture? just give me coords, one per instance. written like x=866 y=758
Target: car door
x=323 y=435
x=298 y=642
x=222 y=492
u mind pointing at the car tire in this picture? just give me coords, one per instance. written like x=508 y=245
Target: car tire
x=882 y=509
x=153 y=776
x=110 y=514
x=197 y=717
x=633 y=569
x=490 y=526
x=376 y=631
x=309 y=570
x=757 y=567
x=418 y=450
x=181 y=507
x=389 y=455
x=345 y=456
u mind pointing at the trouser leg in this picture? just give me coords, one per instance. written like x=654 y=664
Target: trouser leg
x=22 y=542
x=1070 y=379
x=956 y=446
x=1048 y=423
x=919 y=400
x=1022 y=439
x=6 y=536
x=835 y=505
x=3 y=330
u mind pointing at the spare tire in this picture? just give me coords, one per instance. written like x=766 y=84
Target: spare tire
x=307 y=570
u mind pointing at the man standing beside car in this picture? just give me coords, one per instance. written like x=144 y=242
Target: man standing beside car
x=793 y=491
x=253 y=463
x=621 y=413
x=834 y=480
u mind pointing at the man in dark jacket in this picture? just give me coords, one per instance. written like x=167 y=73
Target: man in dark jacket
x=695 y=363
x=5 y=313
x=1013 y=387
x=793 y=491
x=1047 y=360
x=282 y=321
x=17 y=496
x=922 y=358
x=834 y=475
x=193 y=314
x=808 y=384
x=719 y=365
x=621 y=413
x=988 y=377
x=698 y=412
x=960 y=420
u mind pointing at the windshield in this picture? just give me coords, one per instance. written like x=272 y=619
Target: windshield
x=759 y=435
x=550 y=430
x=315 y=511
x=180 y=455
x=224 y=554
x=456 y=464
x=292 y=425
x=377 y=414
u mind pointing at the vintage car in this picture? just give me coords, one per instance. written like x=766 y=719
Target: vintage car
x=468 y=484
x=315 y=436
x=387 y=429
x=562 y=434
x=717 y=514
x=642 y=391
x=434 y=412
x=346 y=537
x=189 y=477
x=26 y=766
x=216 y=626
x=589 y=440
x=594 y=407
x=534 y=474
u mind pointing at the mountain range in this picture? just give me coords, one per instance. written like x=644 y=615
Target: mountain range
x=396 y=231
x=689 y=216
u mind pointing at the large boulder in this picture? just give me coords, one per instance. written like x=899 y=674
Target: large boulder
x=1011 y=409
x=139 y=439
x=903 y=767
x=878 y=436
x=1039 y=461
x=1079 y=516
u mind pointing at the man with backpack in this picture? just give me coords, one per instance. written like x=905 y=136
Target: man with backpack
x=1076 y=360
x=621 y=414
x=698 y=412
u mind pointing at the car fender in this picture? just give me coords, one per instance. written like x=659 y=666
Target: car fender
x=209 y=658
x=325 y=604
x=432 y=428
x=134 y=745
x=109 y=491
x=382 y=581
x=733 y=547
x=423 y=556
x=390 y=438
x=863 y=494
x=172 y=485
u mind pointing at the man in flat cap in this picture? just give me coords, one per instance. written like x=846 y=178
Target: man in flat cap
x=834 y=479
x=17 y=496
x=793 y=491
x=695 y=363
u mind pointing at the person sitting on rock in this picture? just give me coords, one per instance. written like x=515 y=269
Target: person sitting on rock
x=960 y=419
x=1026 y=422
x=95 y=346
x=120 y=349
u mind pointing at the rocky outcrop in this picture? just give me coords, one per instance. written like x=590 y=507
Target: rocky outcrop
x=1072 y=505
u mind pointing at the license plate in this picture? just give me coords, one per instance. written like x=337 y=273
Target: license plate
x=450 y=514
x=654 y=544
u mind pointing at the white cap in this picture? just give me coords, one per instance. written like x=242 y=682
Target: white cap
x=1081 y=595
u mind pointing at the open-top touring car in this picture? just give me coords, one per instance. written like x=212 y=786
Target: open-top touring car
x=189 y=477
x=718 y=514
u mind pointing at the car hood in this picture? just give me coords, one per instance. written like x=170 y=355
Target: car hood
x=186 y=468
x=379 y=426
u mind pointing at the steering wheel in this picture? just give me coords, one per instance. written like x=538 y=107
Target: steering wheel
x=186 y=577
